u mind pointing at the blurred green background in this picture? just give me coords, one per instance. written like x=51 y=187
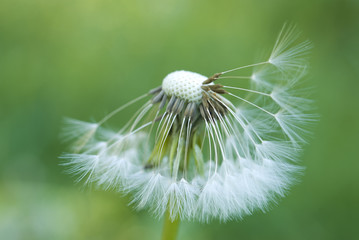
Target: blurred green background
x=84 y=58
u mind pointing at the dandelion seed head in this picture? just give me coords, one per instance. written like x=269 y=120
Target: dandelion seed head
x=205 y=148
x=184 y=85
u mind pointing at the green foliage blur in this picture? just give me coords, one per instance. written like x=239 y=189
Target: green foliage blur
x=84 y=58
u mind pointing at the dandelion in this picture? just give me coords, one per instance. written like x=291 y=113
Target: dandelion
x=203 y=148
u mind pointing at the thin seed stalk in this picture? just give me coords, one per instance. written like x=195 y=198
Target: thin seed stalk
x=170 y=229
x=198 y=158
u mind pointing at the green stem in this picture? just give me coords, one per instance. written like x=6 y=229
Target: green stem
x=170 y=229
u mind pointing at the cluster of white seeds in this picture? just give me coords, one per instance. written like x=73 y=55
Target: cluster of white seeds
x=185 y=85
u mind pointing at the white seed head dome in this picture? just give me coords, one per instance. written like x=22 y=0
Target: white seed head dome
x=184 y=84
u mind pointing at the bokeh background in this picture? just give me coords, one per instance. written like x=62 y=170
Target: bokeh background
x=84 y=58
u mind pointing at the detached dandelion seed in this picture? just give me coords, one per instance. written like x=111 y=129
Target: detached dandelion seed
x=203 y=148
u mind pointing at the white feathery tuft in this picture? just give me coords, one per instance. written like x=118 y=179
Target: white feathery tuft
x=78 y=131
x=295 y=126
x=181 y=197
x=287 y=56
x=82 y=165
x=148 y=190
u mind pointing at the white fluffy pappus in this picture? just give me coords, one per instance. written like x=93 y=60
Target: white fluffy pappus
x=204 y=148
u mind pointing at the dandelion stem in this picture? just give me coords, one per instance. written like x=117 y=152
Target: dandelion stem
x=170 y=228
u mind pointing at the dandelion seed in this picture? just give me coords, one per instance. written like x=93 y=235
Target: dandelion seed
x=201 y=150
